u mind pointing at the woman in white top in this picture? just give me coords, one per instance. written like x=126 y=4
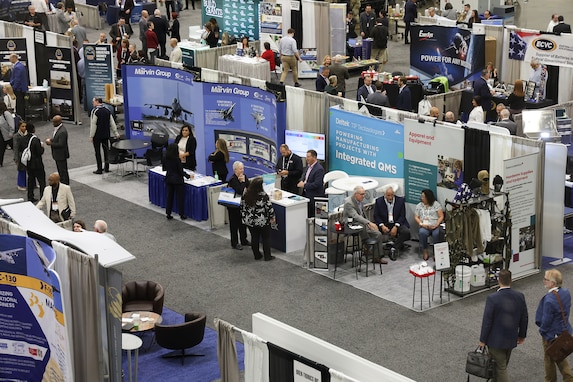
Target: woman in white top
x=9 y=97
x=429 y=215
x=476 y=114
x=187 y=145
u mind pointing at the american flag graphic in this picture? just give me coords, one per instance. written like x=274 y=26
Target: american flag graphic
x=518 y=44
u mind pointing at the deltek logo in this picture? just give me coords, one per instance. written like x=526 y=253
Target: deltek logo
x=544 y=44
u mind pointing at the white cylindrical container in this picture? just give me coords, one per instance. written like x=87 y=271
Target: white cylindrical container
x=478 y=275
x=463 y=278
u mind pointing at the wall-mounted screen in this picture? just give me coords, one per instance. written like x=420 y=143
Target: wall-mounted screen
x=300 y=142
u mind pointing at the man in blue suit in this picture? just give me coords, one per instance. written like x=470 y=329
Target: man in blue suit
x=482 y=89
x=404 y=96
x=312 y=182
x=410 y=14
x=504 y=324
x=365 y=90
x=390 y=217
x=19 y=82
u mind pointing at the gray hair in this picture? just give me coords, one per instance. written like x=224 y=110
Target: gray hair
x=535 y=61
x=338 y=58
x=236 y=164
x=504 y=113
x=358 y=189
x=100 y=226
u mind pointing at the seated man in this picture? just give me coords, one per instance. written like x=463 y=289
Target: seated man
x=354 y=208
x=390 y=217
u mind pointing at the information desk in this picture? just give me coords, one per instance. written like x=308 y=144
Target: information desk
x=196 y=205
x=245 y=66
x=291 y=213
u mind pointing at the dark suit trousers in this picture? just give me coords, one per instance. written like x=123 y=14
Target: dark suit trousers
x=98 y=146
x=33 y=175
x=407 y=37
x=173 y=189
x=238 y=229
x=62 y=166
x=402 y=235
x=20 y=104
x=168 y=9
x=258 y=233
x=3 y=145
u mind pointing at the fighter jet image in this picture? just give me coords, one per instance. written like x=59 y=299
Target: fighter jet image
x=8 y=256
x=176 y=110
x=259 y=117
x=227 y=114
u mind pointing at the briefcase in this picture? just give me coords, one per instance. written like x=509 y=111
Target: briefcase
x=480 y=363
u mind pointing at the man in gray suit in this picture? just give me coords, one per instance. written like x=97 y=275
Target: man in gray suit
x=354 y=209
x=142 y=29
x=506 y=122
x=60 y=150
x=341 y=73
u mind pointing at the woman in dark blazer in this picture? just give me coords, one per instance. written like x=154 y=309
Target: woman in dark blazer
x=174 y=181
x=219 y=159
x=187 y=144
x=258 y=214
x=238 y=182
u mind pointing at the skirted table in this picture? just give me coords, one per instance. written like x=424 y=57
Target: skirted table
x=246 y=66
x=196 y=204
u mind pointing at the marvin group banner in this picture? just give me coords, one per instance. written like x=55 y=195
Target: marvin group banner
x=33 y=337
x=61 y=82
x=238 y=17
x=366 y=146
x=547 y=48
x=99 y=70
x=451 y=52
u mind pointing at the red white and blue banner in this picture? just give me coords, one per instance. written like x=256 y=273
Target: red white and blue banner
x=547 y=48
x=452 y=52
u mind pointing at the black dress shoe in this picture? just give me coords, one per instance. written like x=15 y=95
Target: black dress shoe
x=239 y=247
x=99 y=172
x=246 y=243
x=270 y=258
x=297 y=85
x=107 y=170
x=169 y=217
x=183 y=217
x=258 y=258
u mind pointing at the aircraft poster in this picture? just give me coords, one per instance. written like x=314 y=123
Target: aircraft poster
x=33 y=337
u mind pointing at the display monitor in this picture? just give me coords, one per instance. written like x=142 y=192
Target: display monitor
x=299 y=142
x=539 y=124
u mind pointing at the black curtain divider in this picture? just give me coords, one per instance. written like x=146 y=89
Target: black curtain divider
x=281 y=365
x=552 y=84
x=296 y=24
x=476 y=153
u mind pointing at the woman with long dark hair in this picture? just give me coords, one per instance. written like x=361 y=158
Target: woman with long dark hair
x=187 y=145
x=516 y=100
x=219 y=159
x=258 y=214
x=429 y=215
x=174 y=181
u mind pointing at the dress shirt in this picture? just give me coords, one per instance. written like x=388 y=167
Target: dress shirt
x=287 y=46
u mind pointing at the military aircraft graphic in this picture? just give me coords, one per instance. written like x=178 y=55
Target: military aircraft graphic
x=227 y=114
x=176 y=109
x=8 y=256
x=259 y=117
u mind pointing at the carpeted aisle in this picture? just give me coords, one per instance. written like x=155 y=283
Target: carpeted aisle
x=152 y=367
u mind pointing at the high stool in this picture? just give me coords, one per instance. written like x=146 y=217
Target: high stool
x=352 y=241
x=371 y=244
x=441 y=286
x=421 y=276
x=131 y=342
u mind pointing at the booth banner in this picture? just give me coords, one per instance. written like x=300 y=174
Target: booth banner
x=547 y=48
x=452 y=52
x=9 y=46
x=246 y=118
x=13 y=10
x=33 y=337
x=366 y=146
x=433 y=156
x=99 y=70
x=521 y=174
x=271 y=18
x=61 y=82
x=238 y=17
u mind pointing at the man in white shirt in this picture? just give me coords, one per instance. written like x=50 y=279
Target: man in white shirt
x=289 y=56
x=539 y=76
x=176 y=54
x=554 y=21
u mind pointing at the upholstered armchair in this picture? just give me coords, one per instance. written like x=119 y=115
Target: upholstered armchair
x=146 y=296
x=183 y=336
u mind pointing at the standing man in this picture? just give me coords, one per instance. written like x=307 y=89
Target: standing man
x=341 y=73
x=120 y=31
x=350 y=26
x=35 y=166
x=289 y=57
x=322 y=78
x=101 y=124
x=504 y=324
x=42 y=7
x=60 y=150
x=367 y=21
x=379 y=97
x=33 y=19
x=482 y=89
x=410 y=14
x=19 y=82
x=553 y=22
x=57 y=200
x=404 y=96
x=143 y=29
x=160 y=27
x=79 y=32
x=354 y=208
x=126 y=8
x=380 y=44
x=312 y=182
x=176 y=54
x=390 y=217
x=365 y=90
x=561 y=27
x=289 y=167
x=539 y=76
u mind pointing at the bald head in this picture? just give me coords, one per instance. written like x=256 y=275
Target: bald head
x=450 y=117
x=54 y=179
x=173 y=42
x=434 y=112
x=100 y=226
x=57 y=120
x=144 y=14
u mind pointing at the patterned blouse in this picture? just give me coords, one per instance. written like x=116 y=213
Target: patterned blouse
x=259 y=215
x=428 y=215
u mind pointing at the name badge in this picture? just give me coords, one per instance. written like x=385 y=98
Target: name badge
x=390 y=218
x=426 y=222
x=54 y=206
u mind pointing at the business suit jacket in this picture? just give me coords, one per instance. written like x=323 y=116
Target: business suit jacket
x=508 y=124
x=504 y=319
x=341 y=74
x=64 y=198
x=562 y=28
x=352 y=210
x=160 y=27
x=293 y=164
x=398 y=212
x=404 y=100
x=410 y=11
x=321 y=83
x=60 y=150
x=115 y=32
x=315 y=184
x=482 y=89
x=37 y=150
x=174 y=171
x=363 y=91
x=548 y=315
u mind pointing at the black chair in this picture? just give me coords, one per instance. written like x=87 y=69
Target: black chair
x=183 y=336
x=154 y=156
x=118 y=157
x=35 y=106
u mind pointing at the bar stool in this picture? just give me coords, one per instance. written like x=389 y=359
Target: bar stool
x=131 y=342
x=352 y=241
x=421 y=276
x=371 y=244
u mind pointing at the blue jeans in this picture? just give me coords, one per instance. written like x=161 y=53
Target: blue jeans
x=424 y=233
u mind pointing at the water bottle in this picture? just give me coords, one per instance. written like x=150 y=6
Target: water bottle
x=216 y=175
x=45 y=84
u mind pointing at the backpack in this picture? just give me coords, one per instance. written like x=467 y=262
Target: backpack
x=27 y=153
x=277 y=58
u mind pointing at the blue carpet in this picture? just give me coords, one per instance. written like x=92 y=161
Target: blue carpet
x=567 y=252
x=153 y=368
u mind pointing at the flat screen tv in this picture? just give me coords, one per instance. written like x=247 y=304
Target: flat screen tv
x=299 y=142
